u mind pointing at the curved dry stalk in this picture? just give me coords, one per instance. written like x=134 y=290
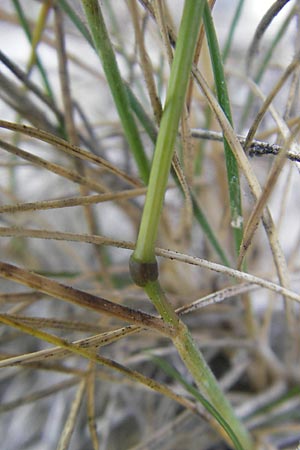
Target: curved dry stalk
x=146 y=65
x=68 y=148
x=109 y=337
x=69 y=174
x=272 y=12
x=73 y=201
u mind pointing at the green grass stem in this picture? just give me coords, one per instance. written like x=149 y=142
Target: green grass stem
x=106 y=53
x=196 y=364
x=179 y=77
x=199 y=215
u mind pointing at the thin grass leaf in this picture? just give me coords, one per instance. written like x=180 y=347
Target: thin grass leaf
x=30 y=85
x=107 y=56
x=37 y=395
x=38 y=32
x=69 y=148
x=172 y=372
x=231 y=163
x=91 y=406
x=65 y=439
x=26 y=28
x=232 y=29
x=69 y=11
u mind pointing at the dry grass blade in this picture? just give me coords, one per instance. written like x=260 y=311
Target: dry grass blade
x=243 y=276
x=71 y=175
x=90 y=355
x=60 y=236
x=70 y=149
x=91 y=397
x=145 y=62
x=278 y=256
x=262 y=27
x=52 y=323
x=92 y=342
x=65 y=439
x=289 y=70
x=261 y=203
x=73 y=201
x=217 y=297
x=31 y=398
x=80 y=298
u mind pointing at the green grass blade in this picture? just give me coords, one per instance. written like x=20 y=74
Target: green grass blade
x=223 y=98
x=106 y=53
x=26 y=28
x=173 y=373
x=232 y=29
x=201 y=219
x=76 y=20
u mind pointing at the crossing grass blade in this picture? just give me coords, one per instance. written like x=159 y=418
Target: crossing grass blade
x=233 y=179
